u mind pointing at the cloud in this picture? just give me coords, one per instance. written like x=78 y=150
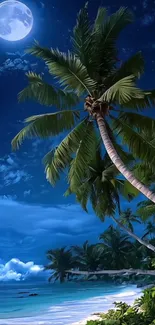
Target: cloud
x=15 y=177
x=17 y=61
x=19 y=271
x=27 y=193
x=28 y=231
x=67 y=219
x=10 y=171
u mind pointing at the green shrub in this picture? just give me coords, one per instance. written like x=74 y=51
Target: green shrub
x=104 y=322
x=147 y=302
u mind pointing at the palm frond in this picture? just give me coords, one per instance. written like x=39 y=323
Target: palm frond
x=138 y=145
x=100 y=19
x=47 y=94
x=116 y=22
x=146 y=210
x=133 y=66
x=104 y=56
x=66 y=68
x=57 y=160
x=126 y=189
x=82 y=38
x=147 y=101
x=138 y=121
x=83 y=194
x=104 y=208
x=104 y=198
x=85 y=151
x=145 y=171
x=122 y=91
x=45 y=125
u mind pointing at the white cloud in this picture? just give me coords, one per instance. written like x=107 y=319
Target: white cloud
x=18 y=270
x=27 y=193
x=10 y=161
x=14 y=177
x=10 y=171
x=16 y=61
x=3 y=168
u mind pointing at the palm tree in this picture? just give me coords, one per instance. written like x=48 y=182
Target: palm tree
x=117 y=248
x=88 y=257
x=102 y=186
x=127 y=218
x=90 y=74
x=61 y=260
x=150 y=230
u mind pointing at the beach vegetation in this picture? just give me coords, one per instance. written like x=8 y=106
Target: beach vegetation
x=60 y=261
x=114 y=258
x=142 y=312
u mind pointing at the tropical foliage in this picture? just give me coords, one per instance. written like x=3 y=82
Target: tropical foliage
x=150 y=230
x=90 y=76
x=103 y=187
x=117 y=248
x=146 y=210
x=60 y=261
x=88 y=257
x=114 y=251
x=127 y=218
x=142 y=312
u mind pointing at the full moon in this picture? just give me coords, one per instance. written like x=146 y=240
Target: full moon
x=16 y=20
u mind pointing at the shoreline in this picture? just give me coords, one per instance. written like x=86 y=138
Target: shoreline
x=78 y=312
x=118 y=298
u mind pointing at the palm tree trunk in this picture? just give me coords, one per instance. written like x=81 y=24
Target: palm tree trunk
x=141 y=241
x=119 y=163
x=114 y=272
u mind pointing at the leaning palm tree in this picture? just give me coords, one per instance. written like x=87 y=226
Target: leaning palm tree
x=90 y=76
x=61 y=260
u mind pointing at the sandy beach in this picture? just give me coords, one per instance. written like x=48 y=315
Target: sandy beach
x=118 y=298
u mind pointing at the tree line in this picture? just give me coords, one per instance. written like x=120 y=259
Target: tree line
x=114 y=251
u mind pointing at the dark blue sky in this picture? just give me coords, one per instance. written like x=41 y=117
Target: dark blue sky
x=34 y=216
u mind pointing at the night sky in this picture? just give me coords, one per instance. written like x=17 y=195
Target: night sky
x=34 y=216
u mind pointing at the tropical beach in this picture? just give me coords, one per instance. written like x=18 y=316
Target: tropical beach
x=77 y=185
x=57 y=305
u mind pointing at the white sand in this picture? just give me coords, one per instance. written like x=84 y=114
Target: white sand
x=84 y=321
x=129 y=298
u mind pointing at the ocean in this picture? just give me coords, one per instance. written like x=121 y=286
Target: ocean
x=58 y=304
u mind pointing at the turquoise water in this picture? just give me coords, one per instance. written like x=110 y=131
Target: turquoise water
x=57 y=304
